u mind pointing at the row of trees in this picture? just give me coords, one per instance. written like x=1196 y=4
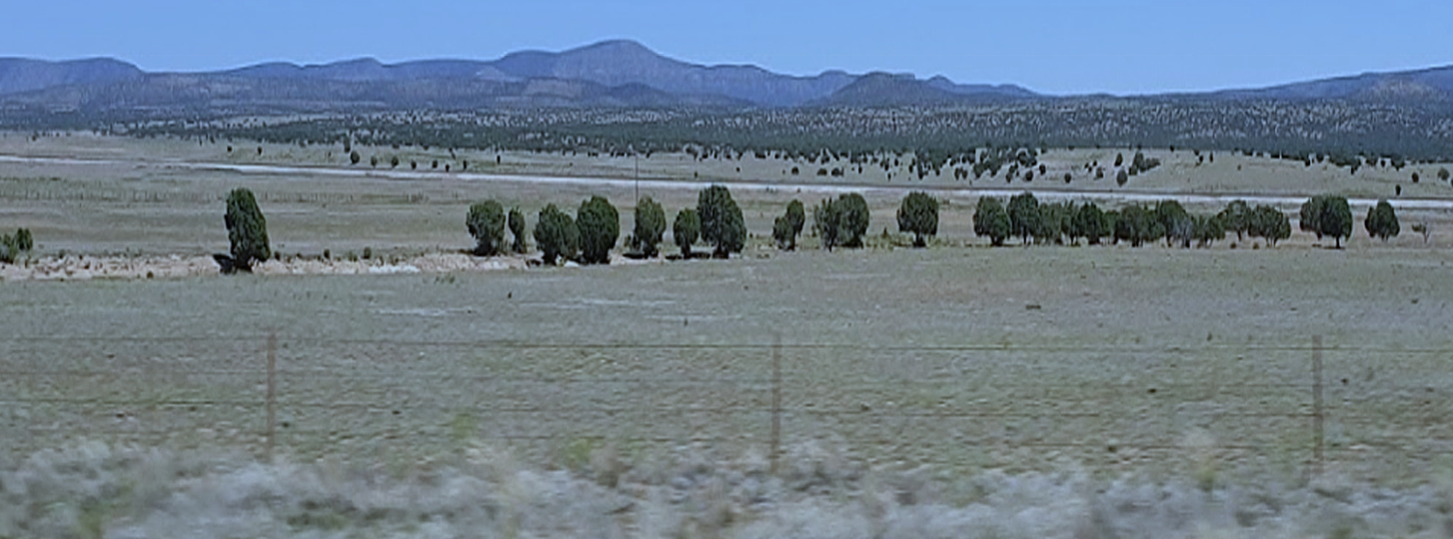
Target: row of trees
x=1137 y=224
x=592 y=233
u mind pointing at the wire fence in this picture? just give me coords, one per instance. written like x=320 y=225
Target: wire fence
x=1300 y=407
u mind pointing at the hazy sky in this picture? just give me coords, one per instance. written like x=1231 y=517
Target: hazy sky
x=1054 y=46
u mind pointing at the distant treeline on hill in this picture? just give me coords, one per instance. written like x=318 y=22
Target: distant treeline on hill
x=1417 y=133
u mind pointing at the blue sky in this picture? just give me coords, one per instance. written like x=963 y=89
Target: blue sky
x=1054 y=46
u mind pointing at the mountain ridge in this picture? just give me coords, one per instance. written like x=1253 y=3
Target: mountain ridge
x=598 y=67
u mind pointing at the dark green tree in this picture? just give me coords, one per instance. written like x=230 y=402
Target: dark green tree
x=722 y=224
x=685 y=230
x=918 y=215
x=992 y=221
x=786 y=228
x=600 y=227
x=556 y=235
x=796 y=216
x=1054 y=222
x=1271 y=224
x=841 y=222
x=517 y=229
x=354 y=158
x=650 y=226
x=782 y=233
x=1309 y=214
x=1208 y=230
x=486 y=222
x=1443 y=174
x=246 y=231
x=1136 y=225
x=1331 y=216
x=1088 y=223
x=1236 y=218
x=24 y=241
x=1174 y=222
x=1382 y=221
x=1024 y=216
x=1121 y=178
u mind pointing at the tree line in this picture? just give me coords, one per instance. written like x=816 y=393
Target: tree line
x=593 y=232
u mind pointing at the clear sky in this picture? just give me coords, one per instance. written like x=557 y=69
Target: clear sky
x=1052 y=46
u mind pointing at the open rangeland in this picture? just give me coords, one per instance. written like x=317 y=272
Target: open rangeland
x=910 y=380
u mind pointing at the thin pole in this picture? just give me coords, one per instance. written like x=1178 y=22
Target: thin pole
x=776 y=402
x=1317 y=417
x=271 y=391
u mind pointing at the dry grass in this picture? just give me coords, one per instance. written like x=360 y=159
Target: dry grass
x=93 y=490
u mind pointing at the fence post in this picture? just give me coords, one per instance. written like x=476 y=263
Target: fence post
x=271 y=391
x=1317 y=417
x=776 y=402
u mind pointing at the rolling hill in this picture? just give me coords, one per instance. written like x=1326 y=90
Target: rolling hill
x=614 y=73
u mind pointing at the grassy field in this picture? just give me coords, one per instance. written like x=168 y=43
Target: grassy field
x=1010 y=359
x=1191 y=369
x=136 y=196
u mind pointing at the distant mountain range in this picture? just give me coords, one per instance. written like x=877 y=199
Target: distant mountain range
x=606 y=74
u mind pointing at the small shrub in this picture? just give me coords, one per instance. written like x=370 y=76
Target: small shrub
x=367 y=253
x=600 y=227
x=23 y=240
x=517 y=229
x=486 y=223
x=722 y=224
x=685 y=230
x=650 y=226
x=246 y=230
x=918 y=215
x=556 y=234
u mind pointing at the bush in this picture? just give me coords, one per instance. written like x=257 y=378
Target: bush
x=600 y=227
x=1327 y=215
x=841 y=222
x=1443 y=174
x=782 y=233
x=722 y=224
x=486 y=222
x=246 y=230
x=650 y=226
x=1174 y=223
x=556 y=235
x=1121 y=178
x=8 y=250
x=1088 y=223
x=1024 y=217
x=1382 y=221
x=686 y=230
x=1208 y=229
x=918 y=215
x=1236 y=218
x=1137 y=225
x=797 y=217
x=853 y=219
x=24 y=241
x=1268 y=223
x=354 y=158
x=786 y=228
x=517 y=229
x=992 y=221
